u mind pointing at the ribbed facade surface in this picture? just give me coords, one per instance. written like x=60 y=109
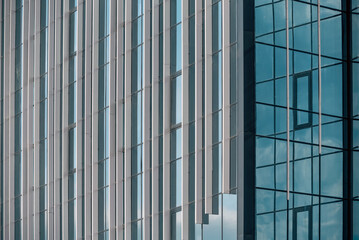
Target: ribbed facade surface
x=179 y=119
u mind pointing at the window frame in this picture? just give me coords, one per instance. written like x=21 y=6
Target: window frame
x=297 y=76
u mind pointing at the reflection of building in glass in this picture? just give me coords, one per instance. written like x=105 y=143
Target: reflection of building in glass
x=179 y=119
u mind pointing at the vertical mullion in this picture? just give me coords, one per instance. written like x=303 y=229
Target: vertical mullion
x=127 y=192
x=65 y=134
x=87 y=121
x=6 y=123
x=185 y=119
x=166 y=121
x=198 y=112
x=37 y=126
x=79 y=119
x=1 y=122
x=25 y=110
x=208 y=107
x=95 y=117
x=119 y=120
x=226 y=97
x=146 y=116
x=112 y=121
x=288 y=106
x=155 y=119
x=51 y=112
x=57 y=122
x=319 y=81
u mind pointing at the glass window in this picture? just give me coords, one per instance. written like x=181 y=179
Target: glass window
x=43 y=162
x=176 y=11
x=213 y=229
x=233 y=21
x=103 y=207
x=137 y=29
x=44 y=14
x=176 y=183
x=136 y=119
x=136 y=160
x=73 y=32
x=332 y=90
x=17 y=230
x=72 y=4
x=18 y=133
x=43 y=87
x=217 y=127
x=233 y=163
x=264 y=119
x=43 y=119
x=264 y=61
x=18 y=68
x=217 y=26
x=103 y=87
x=18 y=175
x=18 y=33
x=72 y=69
x=103 y=173
x=176 y=48
x=332 y=175
x=72 y=149
x=191 y=40
x=302 y=223
x=176 y=144
x=43 y=52
x=104 y=51
x=18 y=102
x=176 y=100
x=229 y=217
x=43 y=226
x=72 y=103
x=192 y=174
x=136 y=69
x=103 y=134
x=266 y=229
x=17 y=208
x=136 y=196
x=191 y=94
x=104 y=18
x=217 y=81
x=72 y=186
x=136 y=230
x=302 y=100
x=216 y=169
x=331 y=221
x=263 y=20
x=137 y=8
x=176 y=223
x=72 y=220
x=18 y=3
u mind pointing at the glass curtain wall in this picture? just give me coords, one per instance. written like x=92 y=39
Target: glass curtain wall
x=176 y=118
x=315 y=209
x=18 y=119
x=103 y=119
x=43 y=161
x=72 y=102
x=137 y=120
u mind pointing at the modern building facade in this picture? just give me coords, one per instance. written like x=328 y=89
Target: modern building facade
x=179 y=119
